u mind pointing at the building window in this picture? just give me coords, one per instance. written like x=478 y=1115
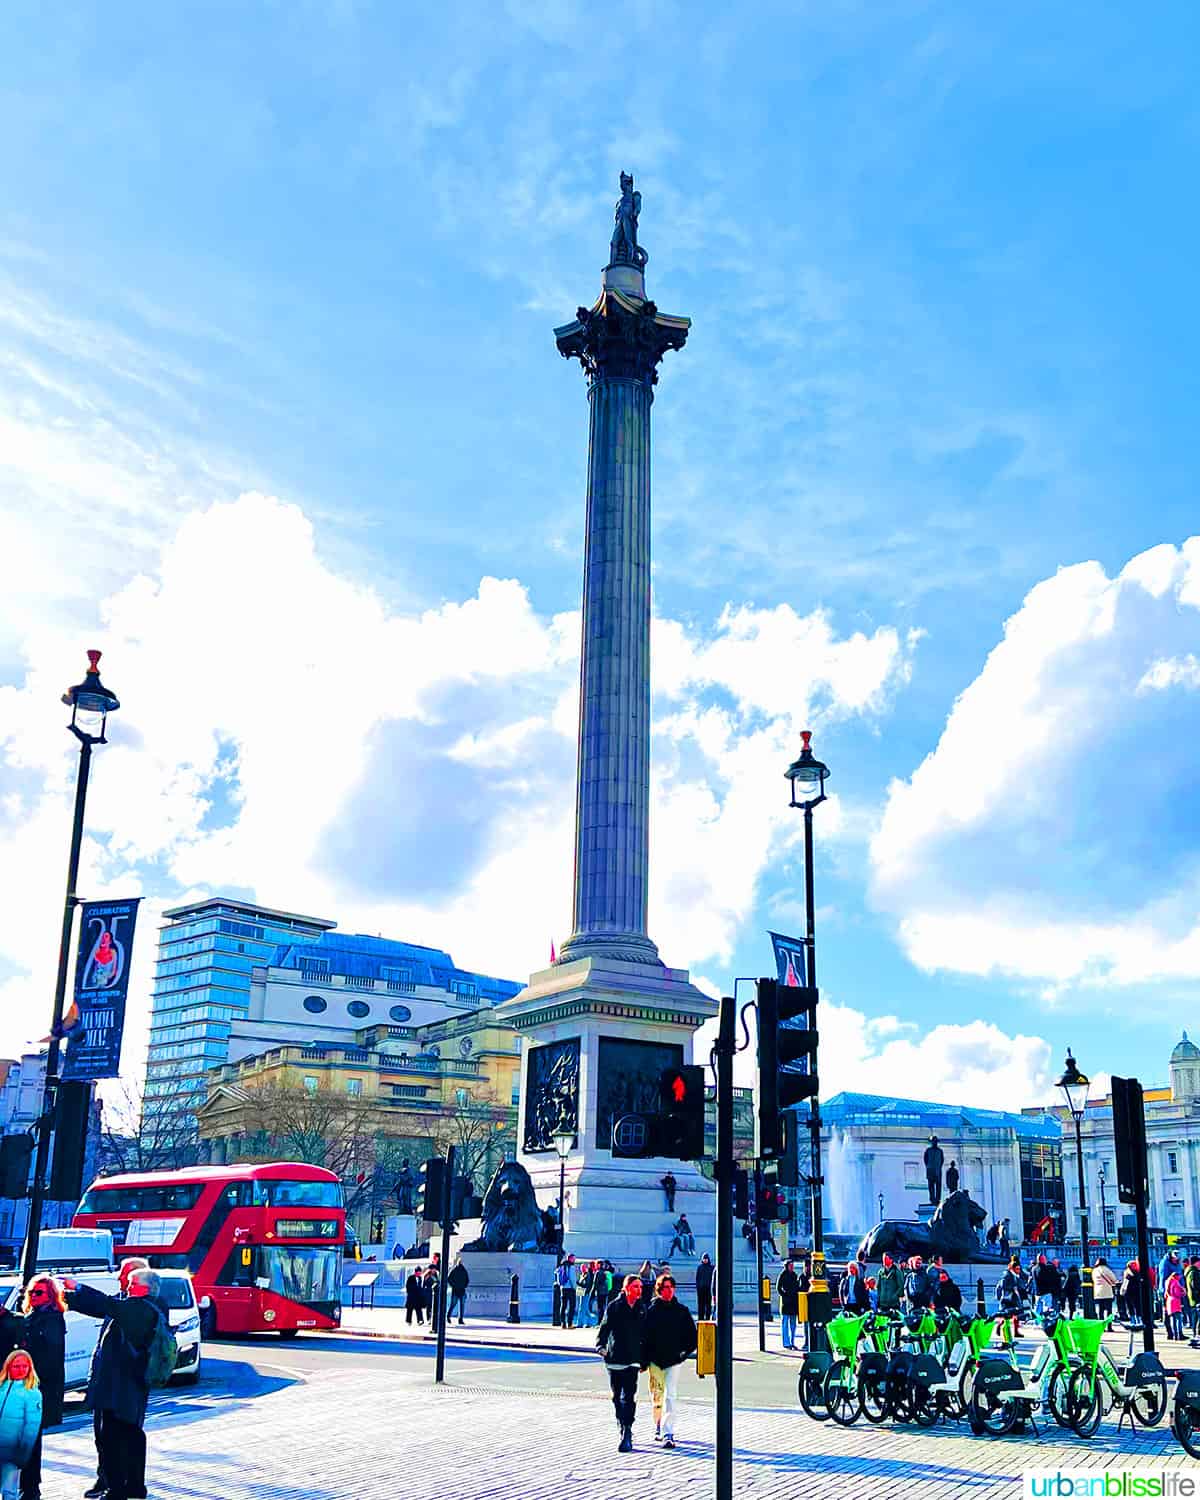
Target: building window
x=359 y=1009
x=914 y=1177
x=516 y=1088
x=310 y=1084
x=317 y=966
x=315 y=1005
x=1172 y=1162
x=354 y=1087
x=400 y=1013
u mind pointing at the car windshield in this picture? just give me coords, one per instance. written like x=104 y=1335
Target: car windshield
x=176 y=1291
x=299 y=1194
x=303 y=1273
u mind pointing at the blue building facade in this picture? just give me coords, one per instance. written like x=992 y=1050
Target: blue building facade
x=206 y=951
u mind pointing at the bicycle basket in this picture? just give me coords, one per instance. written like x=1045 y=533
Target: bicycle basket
x=979 y=1334
x=1085 y=1335
x=844 y=1334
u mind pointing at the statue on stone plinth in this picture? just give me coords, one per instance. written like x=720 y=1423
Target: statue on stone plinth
x=625 y=249
x=933 y=1169
x=952 y=1232
x=952 y=1178
x=405 y=1183
x=511 y=1220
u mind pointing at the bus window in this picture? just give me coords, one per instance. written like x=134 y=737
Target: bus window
x=279 y=1194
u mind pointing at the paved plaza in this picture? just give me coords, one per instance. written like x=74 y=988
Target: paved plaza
x=355 y=1420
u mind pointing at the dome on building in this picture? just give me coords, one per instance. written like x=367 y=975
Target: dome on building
x=1186 y=1051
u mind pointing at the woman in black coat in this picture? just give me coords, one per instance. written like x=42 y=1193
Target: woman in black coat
x=41 y=1330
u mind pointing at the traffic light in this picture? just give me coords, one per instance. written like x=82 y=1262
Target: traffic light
x=767 y=1207
x=462 y=1191
x=741 y=1193
x=680 y=1129
x=73 y=1105
x=1129 y=1141
x=787 y=1058
x=431 y=1190
x=15 y=1154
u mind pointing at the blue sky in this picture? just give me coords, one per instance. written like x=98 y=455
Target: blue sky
x=939 y=266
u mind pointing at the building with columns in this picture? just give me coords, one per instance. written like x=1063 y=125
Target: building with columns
x=1173 y=1147
x=873 y=1149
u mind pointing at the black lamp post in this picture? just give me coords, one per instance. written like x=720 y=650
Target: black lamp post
x=1075 y=1085
x=564 y=1140
x=90 y=703
x=1101 y=1183
x=808 y=777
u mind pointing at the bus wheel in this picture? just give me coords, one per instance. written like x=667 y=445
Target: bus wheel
x=289 y=1333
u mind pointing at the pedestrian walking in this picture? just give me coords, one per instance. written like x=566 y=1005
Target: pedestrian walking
x=889 y=1286
x=1073 y=1289
x=619 y=1344
x=668 y=1337
x=1131 y=1293
x=565 y=1277
x=1174 y=1297
x=1010 y=1294
x=20 y=1419
x=1192 y=1281
x=414 y=1297
x=431 y=1290
x=119 y=1383
x=458 y=1280
x=704 y=1288
x=788 y=1287
x=852 y=1291
x=1047 y=1287
x=41 y=1329
x=1104 y=1288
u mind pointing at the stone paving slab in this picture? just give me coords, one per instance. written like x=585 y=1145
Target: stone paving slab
x=360 y=1435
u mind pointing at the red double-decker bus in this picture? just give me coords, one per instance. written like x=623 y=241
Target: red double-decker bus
x=263 y=1243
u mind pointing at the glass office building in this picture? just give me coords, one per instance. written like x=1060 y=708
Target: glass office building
x=206 y=951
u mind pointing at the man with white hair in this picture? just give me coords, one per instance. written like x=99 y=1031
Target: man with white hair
x=118 y=1386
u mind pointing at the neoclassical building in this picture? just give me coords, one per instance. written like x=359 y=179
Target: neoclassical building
x=1173 y=1143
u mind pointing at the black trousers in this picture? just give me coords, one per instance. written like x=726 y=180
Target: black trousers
x=31 y=1471
x=704 y=1305
x=568 y=1306
x=624 y=1393
x=122 y=1449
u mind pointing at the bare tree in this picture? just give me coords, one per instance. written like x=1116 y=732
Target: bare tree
x=483 y=1133
x=140 y=1134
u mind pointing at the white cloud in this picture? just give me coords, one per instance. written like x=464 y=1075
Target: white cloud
x=1051 y=834
x=284 y=734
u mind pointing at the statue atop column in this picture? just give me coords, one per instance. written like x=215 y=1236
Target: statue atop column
x=933 y=1169
x=625 y=249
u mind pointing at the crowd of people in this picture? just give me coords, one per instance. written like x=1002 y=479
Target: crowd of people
x=135 y=1350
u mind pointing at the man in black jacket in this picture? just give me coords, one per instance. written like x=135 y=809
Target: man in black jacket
x=458 y=1280
x=619 y=1342
x=704 y=1287
x=789 y=1304
x=118 y=1388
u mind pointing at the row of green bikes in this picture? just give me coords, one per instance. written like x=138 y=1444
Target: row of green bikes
x=926 y=1368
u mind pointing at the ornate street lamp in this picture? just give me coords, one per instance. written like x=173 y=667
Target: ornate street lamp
x=1102 y=1183
x=1075 y=1085
x=90 y=703
x=807 y=776
x=564 y=1144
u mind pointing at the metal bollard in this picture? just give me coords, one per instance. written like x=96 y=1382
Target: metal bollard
x=980 y=1302
x=514 y=1300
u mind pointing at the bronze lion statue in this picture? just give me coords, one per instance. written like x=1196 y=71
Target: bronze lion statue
x=511 y=1220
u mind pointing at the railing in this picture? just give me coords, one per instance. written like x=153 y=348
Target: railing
x=359 y=982
x=401 y=986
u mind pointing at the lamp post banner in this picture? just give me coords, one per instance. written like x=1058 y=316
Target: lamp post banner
x=94 y=1025
x=789 y=959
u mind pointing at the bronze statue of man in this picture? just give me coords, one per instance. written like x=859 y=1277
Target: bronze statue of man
x=625 y=248
x=933 y=1169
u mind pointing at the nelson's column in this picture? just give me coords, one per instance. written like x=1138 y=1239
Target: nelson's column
x=599 y=1026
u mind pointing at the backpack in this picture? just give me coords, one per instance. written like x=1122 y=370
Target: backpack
x=161 y=1353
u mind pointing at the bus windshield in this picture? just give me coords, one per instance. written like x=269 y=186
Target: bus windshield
x=302 y=1272
x=279 y=1194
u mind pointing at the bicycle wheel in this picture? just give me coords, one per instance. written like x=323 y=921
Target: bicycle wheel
x=841 y=1394
x=922 y=1405
x=873 y=1397
x=966 y=1383
x=1084 y=1406
x=1148 y=1404
x=811 y=1390
x=990 y=1414
x=1059 y=1395
x=1186 y=1429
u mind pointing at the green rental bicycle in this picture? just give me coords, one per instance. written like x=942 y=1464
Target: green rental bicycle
x=1185 y=1419
x=842 y=1392
x=1005 y=1395
x=1139 y=1386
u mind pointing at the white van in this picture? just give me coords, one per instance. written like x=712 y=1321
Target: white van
x=177 y=1296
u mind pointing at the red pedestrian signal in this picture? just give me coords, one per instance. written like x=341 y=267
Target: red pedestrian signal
x=679 y=1089
x=680 y=1126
